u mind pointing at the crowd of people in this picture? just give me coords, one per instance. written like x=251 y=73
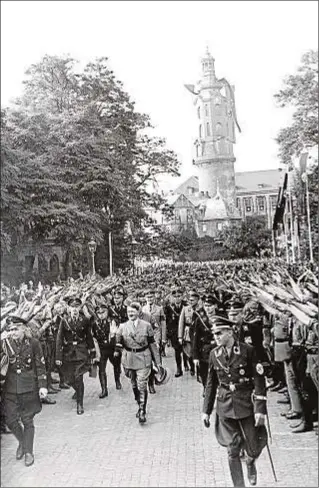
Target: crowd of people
x=239 y=327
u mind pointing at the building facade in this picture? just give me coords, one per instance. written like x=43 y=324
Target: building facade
x=218 y=196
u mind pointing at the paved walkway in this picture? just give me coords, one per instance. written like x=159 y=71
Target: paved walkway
x=107 y=447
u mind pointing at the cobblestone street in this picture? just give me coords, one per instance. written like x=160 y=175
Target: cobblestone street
x=107 y=447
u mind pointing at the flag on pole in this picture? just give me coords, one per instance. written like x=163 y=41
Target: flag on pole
x=281 y=203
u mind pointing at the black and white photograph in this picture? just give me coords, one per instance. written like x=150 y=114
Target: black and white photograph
x=159 y=244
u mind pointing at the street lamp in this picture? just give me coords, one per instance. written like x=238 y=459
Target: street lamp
x=92 y=249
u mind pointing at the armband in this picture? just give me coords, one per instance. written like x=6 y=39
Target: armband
x=260 y=397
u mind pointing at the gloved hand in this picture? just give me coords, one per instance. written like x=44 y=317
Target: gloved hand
x=259 y=419
x=205 y=419
x=180 y=341
x=196 y=362
x=43 y=392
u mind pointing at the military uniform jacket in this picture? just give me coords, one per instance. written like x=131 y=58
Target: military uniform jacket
x=74 y=339
x=172 y=314
x=118 y=314
x=236 y=378
x=203 y=339
x=158 y=318
x=186 y=320
x=101 y=330
x=26 y=370
x=130 y=339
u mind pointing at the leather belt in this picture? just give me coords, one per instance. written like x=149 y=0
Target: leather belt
x=136 y=350
x=236 y=386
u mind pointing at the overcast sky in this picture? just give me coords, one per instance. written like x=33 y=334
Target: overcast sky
x=155 y=48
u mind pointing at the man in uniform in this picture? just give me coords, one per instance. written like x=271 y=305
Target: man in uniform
x=104 y=333
x=117 y=315
x=158 y=322
x=136 y=339
x=186 y=327
x=172 y=312
x=204 y=340
x=234 y=373
x=25 y=383
x=75 y=348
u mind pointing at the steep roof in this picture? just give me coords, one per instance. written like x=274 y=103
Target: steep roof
x=258 y=180
x=191 y=182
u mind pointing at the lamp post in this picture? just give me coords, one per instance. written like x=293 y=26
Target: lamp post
x=92 y=249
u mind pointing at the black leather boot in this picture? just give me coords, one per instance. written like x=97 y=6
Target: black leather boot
x=236 y=471
x=79 y=399
x=142 y=409
x=151 y=384
x=118 y=384
x=179 y=372
x=103 y=381
x=251 y=471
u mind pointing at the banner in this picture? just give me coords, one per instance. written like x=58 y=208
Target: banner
x=281 y=204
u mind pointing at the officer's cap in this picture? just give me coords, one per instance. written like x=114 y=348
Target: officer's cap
x=73 y=301
x=15 y=320
x=150 y=291
x=220 y=322
x=177 y=291
x=210 y=300
x=118 y=291
x=193 y=293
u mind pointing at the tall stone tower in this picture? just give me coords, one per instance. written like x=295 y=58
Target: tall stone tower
x=214 y=155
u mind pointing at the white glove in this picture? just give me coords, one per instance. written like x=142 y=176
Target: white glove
x=196 y=362
x=43 y=392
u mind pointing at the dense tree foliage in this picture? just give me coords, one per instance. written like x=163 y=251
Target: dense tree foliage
x=250 y=239
x=76 y=157
x=300 y=92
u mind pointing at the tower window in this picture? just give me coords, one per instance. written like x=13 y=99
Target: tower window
x=208 y=129
x=200 y=131
x=206 y=110
x=198 y=112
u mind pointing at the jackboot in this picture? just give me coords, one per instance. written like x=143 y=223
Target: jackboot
x=151 y=384
x=236 y=471
x=79 y=399
x=185 y=362
x=179 y=372
x=137 y=398
x=251 y=471
x=103 y=382
x=118 y=384
x=18 y=432
x=142 y=409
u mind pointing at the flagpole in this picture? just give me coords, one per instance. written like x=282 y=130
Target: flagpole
x=292 y=229
x=308 y=218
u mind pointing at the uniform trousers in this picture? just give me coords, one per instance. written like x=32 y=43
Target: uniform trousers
x=107 y=353
x=22 y=407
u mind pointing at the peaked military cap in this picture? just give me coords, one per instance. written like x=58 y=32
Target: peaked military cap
x=73 y=301
x=220 y=322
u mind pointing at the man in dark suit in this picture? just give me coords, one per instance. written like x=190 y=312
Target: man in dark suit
x=234 y=375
